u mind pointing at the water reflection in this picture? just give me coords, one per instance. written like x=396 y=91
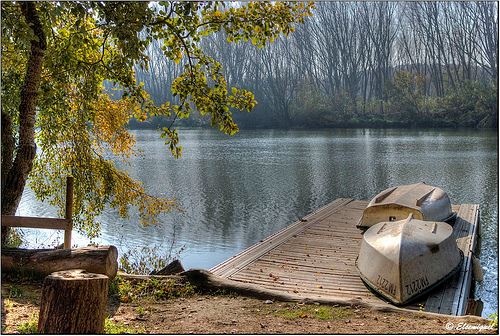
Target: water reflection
x=237 y=190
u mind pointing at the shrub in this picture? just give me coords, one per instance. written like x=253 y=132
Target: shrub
x=471 y=104
x=156 y=289
x=29 y=327
x=111 y=327
x=147 y=259
x=494 y=320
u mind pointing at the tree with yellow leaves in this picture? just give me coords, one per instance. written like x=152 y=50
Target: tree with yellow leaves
x=57 y=118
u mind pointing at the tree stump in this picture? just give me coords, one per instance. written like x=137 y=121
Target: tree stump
x=174 y=267
x=73 y=302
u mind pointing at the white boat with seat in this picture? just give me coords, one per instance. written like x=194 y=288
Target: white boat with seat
x=405 y=259
x=425 y=202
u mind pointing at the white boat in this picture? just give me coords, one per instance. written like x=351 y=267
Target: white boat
x=405 y=259
x=425 y=202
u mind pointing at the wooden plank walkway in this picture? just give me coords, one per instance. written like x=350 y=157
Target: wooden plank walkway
x=315 y=257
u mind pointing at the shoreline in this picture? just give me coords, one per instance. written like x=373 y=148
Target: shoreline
x=233 y=314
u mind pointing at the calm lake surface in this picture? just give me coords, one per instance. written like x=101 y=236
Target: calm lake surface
x=238 y=190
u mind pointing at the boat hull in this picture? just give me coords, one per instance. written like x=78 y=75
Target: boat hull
x=403 y=260
x=423 y=201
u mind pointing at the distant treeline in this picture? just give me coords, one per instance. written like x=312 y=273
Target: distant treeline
x=359 y=64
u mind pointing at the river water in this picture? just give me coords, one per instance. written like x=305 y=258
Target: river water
x=238 y=190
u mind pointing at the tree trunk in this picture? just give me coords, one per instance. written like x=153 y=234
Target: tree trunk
x=8 y=145
x=15 y=178
x=73 y=302
x=102 y=260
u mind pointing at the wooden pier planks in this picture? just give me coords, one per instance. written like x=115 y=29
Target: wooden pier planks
x=452 y=297
x=316 y=257
x=240 y=260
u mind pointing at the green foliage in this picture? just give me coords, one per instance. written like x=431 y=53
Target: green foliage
x=140 y=310
x=153 y=289
x=313 y=311
x=29 y=327
x=114 y=287
x=120 y=289
x=309 y=102
x=14 y=238
x=405 y=96
x=472 y=102
x=15 y=292
x=162 y=289
x=8 y=304
x=81 y=130
x=111 y=327
x=494 y=319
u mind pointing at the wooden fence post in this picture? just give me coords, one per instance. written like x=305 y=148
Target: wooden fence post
x=69 y=212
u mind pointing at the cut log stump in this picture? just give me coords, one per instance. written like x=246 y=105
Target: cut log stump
x=102 y=260
x=73 y=302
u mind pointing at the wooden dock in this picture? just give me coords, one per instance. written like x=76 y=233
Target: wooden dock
x=315 y=257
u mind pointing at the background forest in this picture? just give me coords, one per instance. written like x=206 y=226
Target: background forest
x=359 y=64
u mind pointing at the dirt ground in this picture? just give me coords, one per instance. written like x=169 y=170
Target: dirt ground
x=230 y=314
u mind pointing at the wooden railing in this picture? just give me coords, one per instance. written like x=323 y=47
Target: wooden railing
x=65 y=224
